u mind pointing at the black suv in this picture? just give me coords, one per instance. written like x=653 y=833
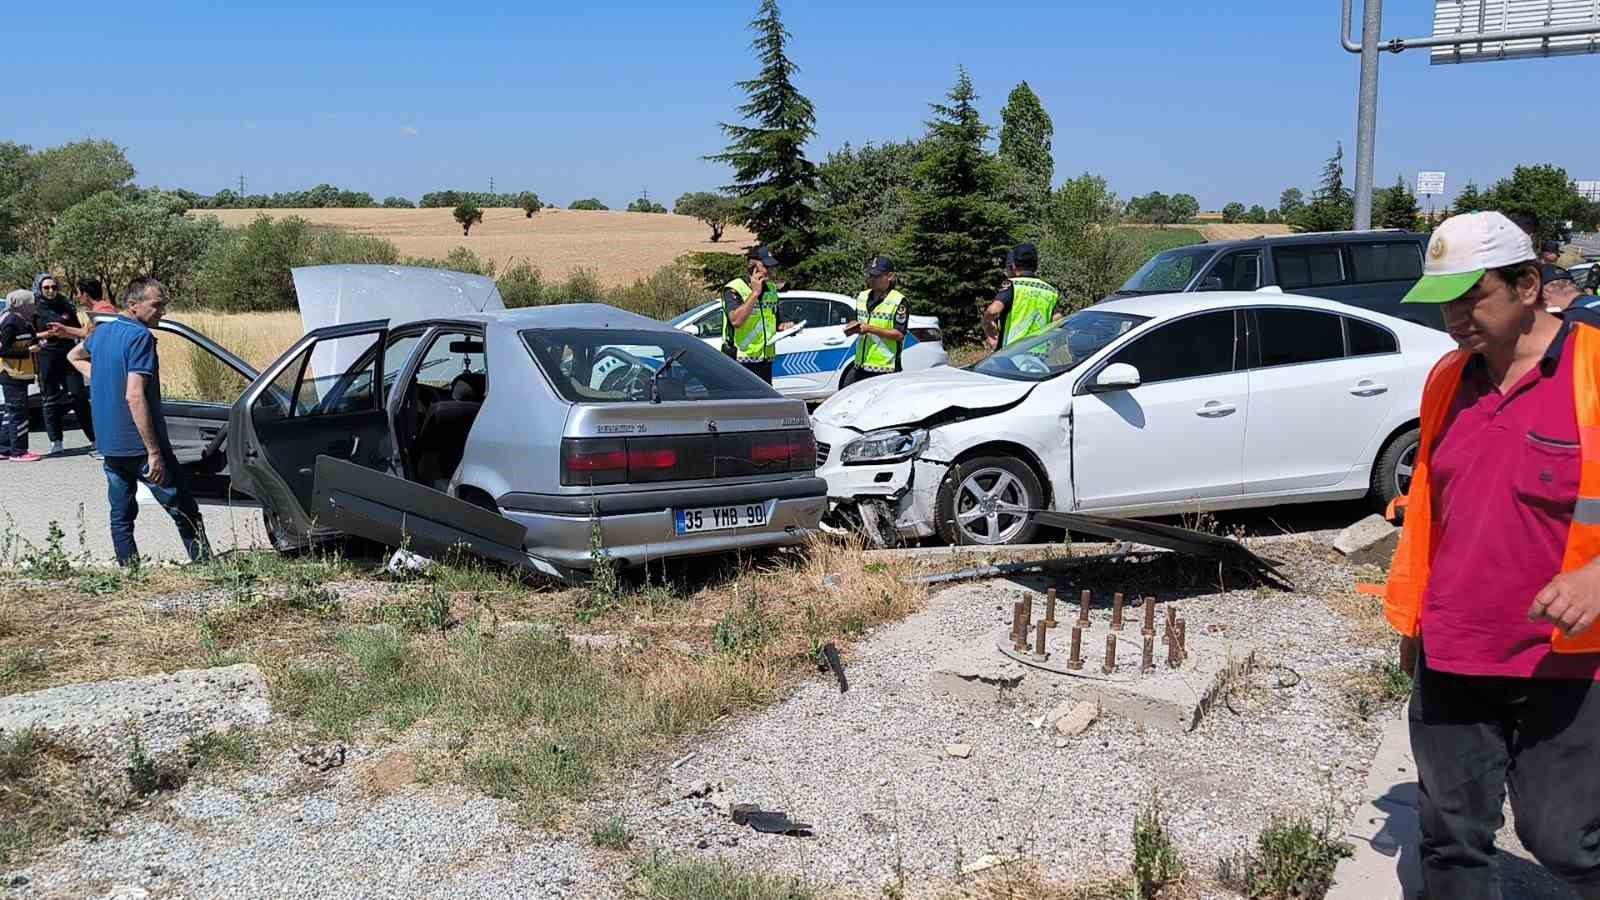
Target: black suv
x=1369 y=269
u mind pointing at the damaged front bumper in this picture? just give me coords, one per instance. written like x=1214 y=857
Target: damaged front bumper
x=889 y=501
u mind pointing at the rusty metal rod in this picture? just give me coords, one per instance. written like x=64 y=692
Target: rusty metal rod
x=1172 y=621
x=1027 y=616
x=1116 y=611
x=1174 y=652
x=1038 y=648
x=1183 y=642
x=1147 y=663
x=1075 y=661
x=1111 y=655
x=1050 y=608
x=1083 y=610
x=1019 y=628
x=1149 y=629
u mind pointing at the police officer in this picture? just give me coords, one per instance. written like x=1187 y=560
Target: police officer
x=750 y=315
x=882 y=319
x=1025 y=305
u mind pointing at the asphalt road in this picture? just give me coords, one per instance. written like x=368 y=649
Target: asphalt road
x=71 y=488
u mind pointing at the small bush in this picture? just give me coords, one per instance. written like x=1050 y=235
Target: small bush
x=611 y=834
x=51 y=562
x=582 y=286
x=520 y=286
x=148 y=775
x=1293 y=860
x=1155 y=859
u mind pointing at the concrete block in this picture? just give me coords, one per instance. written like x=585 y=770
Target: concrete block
x=978 y=674
x=1369 y=541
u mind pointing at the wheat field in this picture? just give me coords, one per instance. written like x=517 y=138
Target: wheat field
x=258 y=337
x=620 y=247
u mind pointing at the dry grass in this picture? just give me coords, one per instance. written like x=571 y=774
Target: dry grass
x=620 y=246
x=257 y=337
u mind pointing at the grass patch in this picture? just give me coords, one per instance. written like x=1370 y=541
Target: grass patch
x=1153 y=240
x=46 y=795
x=221 y=751
x=1294 y=859
x=694 y=879
x=611 y=833
x=1379 y=687
x=1155 y=859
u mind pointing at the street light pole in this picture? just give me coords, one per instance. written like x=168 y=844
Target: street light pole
x=1367 y=111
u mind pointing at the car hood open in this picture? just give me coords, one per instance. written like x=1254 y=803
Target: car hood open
x=929 y=397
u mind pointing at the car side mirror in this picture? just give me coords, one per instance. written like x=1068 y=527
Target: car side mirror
x=1211 y=283
x=1115 y=377
x=692 y=329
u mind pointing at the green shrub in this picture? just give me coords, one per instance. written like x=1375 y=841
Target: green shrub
x=1155 y=859
x=713 y=269
x=582 y=286
x=521 y=285
x=1294 y=860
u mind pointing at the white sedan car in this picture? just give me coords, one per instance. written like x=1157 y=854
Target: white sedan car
x=812 y=359
x=1144 y=406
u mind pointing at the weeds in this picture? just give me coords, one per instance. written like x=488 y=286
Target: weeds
x=1155 y=859
x=611 y=834
x=46 y=794
x=695 y=879
x=21 y=665
x=744 y=629
x=148 y=775
x=1293 y=860
x=1380 y=686
x=605 y=582
x=217 y=750
x=52 y=562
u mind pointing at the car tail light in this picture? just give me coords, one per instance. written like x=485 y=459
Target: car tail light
x=647 y=460
x=802 y=450
x=770 y=449
x=586 y=461
x=926 y=335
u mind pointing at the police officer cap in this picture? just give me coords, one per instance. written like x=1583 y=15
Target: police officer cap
x=880 y=265
x=1023 y=256
x=1551 y=272
x=761 y=255
x=1550 y=247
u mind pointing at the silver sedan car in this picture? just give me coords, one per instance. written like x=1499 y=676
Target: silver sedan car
x=537 y=437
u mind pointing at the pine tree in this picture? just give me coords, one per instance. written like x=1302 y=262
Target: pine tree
x=1025 y=133
x=775 y=181
x=1333 y=206
x=1395 y=207
x=955 y=236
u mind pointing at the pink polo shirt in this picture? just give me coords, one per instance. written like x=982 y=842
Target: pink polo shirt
x=1505 y=477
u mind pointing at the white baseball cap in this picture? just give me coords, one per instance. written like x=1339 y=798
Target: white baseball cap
x=1462 y=249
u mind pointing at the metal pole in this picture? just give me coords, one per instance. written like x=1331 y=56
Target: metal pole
x=1367 y=111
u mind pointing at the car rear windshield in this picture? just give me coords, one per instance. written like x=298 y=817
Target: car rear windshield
x=1060 y=349
x=1169 y=271
x=610 y=365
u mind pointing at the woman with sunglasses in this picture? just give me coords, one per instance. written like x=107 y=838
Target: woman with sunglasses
x=56 y=317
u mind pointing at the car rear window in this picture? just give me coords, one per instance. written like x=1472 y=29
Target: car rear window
x=1398 y=261
x=611 y=365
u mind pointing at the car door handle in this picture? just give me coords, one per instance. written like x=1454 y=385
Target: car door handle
x=834 y=341
x=1369 y=388
x=1216 y=409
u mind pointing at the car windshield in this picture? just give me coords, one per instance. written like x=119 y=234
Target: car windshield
x=1169 y=271
x=616 y=365
x=1062 y=348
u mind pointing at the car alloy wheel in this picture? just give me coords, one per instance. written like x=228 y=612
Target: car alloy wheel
x=1404 y=466
x=991 y=506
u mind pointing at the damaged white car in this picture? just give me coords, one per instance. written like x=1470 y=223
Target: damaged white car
x=1144 y=406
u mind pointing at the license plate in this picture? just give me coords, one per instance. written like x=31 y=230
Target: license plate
x=722 y=518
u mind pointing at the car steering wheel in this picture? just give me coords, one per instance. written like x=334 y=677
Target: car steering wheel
x=1033 y=365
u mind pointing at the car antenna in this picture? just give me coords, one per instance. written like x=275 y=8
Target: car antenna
x=655 y=380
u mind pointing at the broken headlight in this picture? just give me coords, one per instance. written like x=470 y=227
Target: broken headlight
x=888 y=445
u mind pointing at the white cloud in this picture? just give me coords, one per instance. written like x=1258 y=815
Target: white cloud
x=408 y=131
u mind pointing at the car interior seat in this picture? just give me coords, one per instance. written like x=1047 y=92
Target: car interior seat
x=442 y=437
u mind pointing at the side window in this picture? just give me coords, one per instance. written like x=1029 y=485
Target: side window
x=273 y=402
x=1286 y=337
x=843 y=313
x=395 y=356
x=1188 y=348
x=1303 y=267
x=815 y=313
x=1239 y=271
x=1399 y=261
x=710 y=324
x=1367 y=339
x=339 y=377
x=455 y=359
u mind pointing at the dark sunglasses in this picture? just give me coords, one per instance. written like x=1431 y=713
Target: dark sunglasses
x=47 y=287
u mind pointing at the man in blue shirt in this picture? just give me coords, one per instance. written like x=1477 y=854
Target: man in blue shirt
x=119 y=360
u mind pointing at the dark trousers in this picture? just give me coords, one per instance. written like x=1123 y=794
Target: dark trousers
x=856 y=375
x=63 y=388
x=1472 y=736
x=762 y=370
x=122 y=485
x=13 y=417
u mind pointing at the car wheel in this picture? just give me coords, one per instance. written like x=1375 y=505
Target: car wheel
x=1391 y=473
x=986 y=500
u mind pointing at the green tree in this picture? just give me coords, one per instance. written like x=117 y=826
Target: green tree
x=715 y=210
x=398 y=203
x=589 y=204
x=1543 y=190
x=1184 y=207
x=468 y=215
x=528 y=202
x=1332 y=207
x=1395 y=207
x=774 y=180
x=1290 y=202
x=16 y=173
x=1468 y=199
x=1081 y=253
x=36 y=187
x=1275 y=216
x=955 y=235
x=1256 y=215
x=1233 y=212
x=115 y=240
x=863 y=203
x=1154 y=208
x=646 y=205
x=1025 y=135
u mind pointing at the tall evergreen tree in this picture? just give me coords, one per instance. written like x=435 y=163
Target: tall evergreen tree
x=1468 y=199
x=1395 y=207
x=1025 y=134
x=956 y=235
x=775 y=181
x=1333 y=206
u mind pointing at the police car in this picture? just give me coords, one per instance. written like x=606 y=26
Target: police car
x=813 y=357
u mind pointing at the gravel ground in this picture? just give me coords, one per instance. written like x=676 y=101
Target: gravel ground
x=294 y=833
x=869 y=770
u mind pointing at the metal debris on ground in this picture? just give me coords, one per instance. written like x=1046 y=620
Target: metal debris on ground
x=1169 y=537
x=829 y=661
x=768 y=821
x=323 y=758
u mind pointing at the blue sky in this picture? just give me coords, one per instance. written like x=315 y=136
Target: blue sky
x=608 y=99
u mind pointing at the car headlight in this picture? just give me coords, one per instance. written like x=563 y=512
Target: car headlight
x=888 y=445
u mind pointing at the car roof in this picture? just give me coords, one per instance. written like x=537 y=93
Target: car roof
x=1167 y=306
x=565 y=315
x=1314 y=237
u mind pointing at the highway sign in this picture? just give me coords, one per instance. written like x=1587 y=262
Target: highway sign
x=1561 y=28
x=1430 y=182
x=1589 y=189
